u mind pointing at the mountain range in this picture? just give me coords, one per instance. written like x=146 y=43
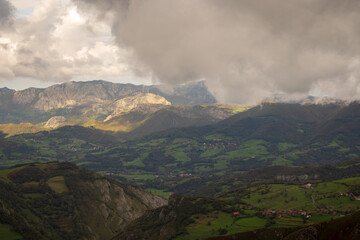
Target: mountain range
x=226 y=170
x=108 y=106
x=16 y=106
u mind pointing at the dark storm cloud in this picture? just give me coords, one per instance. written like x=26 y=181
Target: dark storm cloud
x=245 y=49
x=6 y=13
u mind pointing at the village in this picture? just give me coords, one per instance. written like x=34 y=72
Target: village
x=280 y=213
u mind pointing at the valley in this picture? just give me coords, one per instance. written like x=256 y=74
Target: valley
x=168 y=158
x=179 y=120
x=223 y=169
x=258 y=205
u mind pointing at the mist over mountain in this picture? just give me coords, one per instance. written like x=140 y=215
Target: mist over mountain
x=245 y=50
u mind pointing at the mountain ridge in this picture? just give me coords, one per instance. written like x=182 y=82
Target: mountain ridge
x=71 y=94
x=61 y=201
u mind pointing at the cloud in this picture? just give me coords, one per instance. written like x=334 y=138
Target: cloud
x=55 y=44
x=6 y=13
x=245 y=49
x=25 y=4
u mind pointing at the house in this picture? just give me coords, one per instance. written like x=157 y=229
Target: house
x=307 y=186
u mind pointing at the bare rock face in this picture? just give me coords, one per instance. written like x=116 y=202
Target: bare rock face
x=55 y=122
x=72 y=94
x=128 y=104
x=26 y=96
x=6 y=90
x=90 y=206
x=76 y=93
x=127 y=203
x=90 y=99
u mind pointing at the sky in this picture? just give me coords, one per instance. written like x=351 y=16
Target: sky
x=246 y=50
x=47 y=42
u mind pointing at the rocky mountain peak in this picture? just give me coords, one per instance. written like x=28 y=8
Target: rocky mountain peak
x=131 y=103
x=55 y=122
x=6 y=90
x=35 y=105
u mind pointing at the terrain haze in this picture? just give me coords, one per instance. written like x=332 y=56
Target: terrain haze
x=179 y=120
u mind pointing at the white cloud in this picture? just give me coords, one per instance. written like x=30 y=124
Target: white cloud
x=55 y=43
x=25 y=4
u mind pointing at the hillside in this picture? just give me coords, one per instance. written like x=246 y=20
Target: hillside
x=118 y=108
x=216 y=185
x=61 y=201
x=264 y=136
x=284 y=121
x=343 y=228
x=64 y=144
x=278 y=207
x=264 y=167
x=177 y=117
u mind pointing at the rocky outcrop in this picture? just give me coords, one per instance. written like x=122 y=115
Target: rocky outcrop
x=70 y=203
x=55 y=122
x=131 y=103
x=6 y=90
x=166 y=222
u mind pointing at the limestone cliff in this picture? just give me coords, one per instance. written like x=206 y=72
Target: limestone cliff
x=55 y=122
x=61 y=201
x=72 y=94
x=128 y=104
